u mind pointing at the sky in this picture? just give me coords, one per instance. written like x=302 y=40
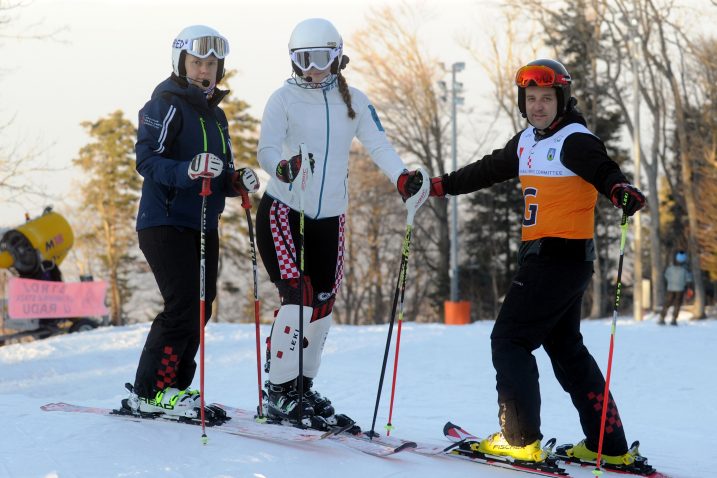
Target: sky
x=444 y=374
x=110 y=54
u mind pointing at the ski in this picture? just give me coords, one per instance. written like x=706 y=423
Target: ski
x=338 y=434
x=233 y=425
x=639 y=468
x=465 y=446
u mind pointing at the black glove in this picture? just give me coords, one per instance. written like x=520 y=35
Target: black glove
x=635 y=199
x=286 y=171
x=409 y=183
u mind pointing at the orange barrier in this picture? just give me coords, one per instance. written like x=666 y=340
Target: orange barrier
x=457 y=313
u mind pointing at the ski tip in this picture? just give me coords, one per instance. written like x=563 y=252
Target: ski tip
x=449 y=426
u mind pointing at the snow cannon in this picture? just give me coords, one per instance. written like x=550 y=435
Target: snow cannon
x=47 y=238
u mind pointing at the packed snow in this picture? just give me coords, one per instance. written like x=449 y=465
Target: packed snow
x=663 y=381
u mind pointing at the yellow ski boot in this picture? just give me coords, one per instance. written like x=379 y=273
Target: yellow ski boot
x=582 y=453
x=497 y=445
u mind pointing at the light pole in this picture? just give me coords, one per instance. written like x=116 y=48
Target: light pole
x=456 y=99
x=637 y=294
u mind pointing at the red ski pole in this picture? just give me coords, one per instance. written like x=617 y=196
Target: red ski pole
x=206 y=191
x=618 y=290
x=246 y=204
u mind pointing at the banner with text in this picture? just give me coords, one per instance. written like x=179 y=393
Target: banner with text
x=37 y=299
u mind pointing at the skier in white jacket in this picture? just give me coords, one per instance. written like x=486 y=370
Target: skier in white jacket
x=315 y=107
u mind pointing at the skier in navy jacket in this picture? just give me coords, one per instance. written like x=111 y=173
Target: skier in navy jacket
x=182 y=139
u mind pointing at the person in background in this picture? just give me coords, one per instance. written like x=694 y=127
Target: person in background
x=182 y=140
x=315 y=107
x=562 y=166
x=678 y=277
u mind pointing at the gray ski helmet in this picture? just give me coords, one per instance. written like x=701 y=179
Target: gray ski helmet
x=561 y=83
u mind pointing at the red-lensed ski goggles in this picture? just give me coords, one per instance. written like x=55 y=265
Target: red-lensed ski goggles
x=539 y=75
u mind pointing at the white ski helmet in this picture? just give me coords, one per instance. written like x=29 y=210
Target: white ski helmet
x=200 y=41
x=316 y=43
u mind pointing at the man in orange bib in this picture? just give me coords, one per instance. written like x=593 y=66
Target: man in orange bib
x=562 y=167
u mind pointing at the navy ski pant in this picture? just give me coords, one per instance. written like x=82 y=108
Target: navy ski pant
x=542 y=308
x=167 y=358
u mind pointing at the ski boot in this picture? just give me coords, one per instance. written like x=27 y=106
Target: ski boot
x=168 y=401
x=171 y=403
x=584 y=454
x=323 y=408
x=281 y=406
x=497 y=445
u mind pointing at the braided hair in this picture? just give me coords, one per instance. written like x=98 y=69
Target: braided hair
x=345 y=94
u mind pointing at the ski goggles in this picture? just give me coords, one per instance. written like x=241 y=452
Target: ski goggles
x=202 y=47
x=539 y=75
x=318 y=58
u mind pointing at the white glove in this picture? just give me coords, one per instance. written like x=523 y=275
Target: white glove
x=205 y=165
x=246 y=179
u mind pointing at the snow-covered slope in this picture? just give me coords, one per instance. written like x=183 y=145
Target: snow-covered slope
x=663 y=381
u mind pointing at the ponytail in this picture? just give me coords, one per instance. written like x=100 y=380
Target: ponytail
x=346 y=94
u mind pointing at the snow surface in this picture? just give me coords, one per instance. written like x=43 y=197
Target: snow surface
x=663 y=381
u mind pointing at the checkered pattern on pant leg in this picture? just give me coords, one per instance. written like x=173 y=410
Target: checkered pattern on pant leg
x=283 y=241
x=167 y=374
x=612 y=417
x=340 y=255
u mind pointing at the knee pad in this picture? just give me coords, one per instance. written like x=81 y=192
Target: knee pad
x=289 y=291
x=323 y=307
x=285 y=343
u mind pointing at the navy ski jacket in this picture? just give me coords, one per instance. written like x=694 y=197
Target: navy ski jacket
x=176 y=124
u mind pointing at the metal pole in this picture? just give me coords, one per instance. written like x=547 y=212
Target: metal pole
x=637 y=294
x=455 y=100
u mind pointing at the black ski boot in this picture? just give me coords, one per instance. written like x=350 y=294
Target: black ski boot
x=322 y=405
x=323 y=408
x=282 y=403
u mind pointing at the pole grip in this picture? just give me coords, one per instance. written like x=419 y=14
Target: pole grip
x=245 y=201
x=206 y=187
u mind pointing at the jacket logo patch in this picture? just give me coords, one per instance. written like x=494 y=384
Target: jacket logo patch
x=148 y=121
x=551 y=154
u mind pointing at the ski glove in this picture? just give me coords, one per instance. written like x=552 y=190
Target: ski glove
x=409 y=183
x=286 y=171
x=437 y=187
x=245 y=180
x=205 y=165
x=635 y=199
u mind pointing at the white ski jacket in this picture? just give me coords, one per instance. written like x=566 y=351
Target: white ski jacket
x=319 y=119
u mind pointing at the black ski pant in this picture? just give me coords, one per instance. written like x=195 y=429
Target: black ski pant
x=173 y=253
x=542 y=308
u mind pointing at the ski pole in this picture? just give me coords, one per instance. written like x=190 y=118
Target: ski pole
x=618 y=291
x=246 y=204
x=206 y=191
x=412 y=204
x=304 y=177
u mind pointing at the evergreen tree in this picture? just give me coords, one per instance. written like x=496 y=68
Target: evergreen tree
x=110 y=194
x=234 y=250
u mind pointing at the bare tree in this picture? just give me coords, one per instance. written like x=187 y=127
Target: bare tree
x=402 y=82
x=20 y=166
